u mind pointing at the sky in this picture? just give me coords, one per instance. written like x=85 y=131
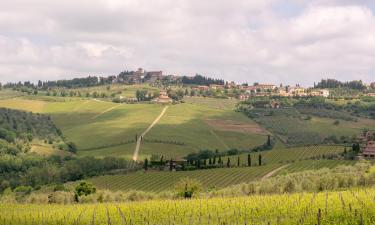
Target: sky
x=267 y=41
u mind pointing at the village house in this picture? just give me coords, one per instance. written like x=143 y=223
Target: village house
x=369 y=150
x=251 y=90
x=163 y=98
x=217 y=87
x=243 y=97
x=298 y=91
x=201 y=88
x=265 y=87
x=320 y=93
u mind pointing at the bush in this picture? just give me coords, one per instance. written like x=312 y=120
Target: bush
x=187 y=187
x=84 y=188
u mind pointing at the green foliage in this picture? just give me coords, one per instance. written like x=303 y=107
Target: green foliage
x=187 y=187
x=84 y=188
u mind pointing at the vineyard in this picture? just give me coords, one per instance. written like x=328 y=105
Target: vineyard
x=315 y=165
x=161 y=181
x=295 y=129
x=325 y=208
x=290 y=155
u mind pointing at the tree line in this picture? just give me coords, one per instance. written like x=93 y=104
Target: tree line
x=201 y=80
x=332 y=83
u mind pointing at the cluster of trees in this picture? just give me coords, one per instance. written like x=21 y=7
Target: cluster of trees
x=145 y=95
x=33 y=170
x=201 y=80
x=310 y=181
x=26 y=125
x=332 y=83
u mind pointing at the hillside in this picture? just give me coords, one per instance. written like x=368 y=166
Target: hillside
x=344 y=207
x=101 y=128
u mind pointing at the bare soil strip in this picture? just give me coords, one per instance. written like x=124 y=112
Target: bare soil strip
x=136 y=151
x=105 y=111
x=270 y=174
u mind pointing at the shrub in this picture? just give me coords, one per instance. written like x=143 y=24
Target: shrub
x=187 y=187
x=84 y=188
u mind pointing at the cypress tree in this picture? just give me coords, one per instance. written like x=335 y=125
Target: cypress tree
x=220 y=161
x=228 y=162
x=170 y=165
x=260 y=159
x=210 y=162
x=249 y=160
x=146 y=164
x=238 y=161
x=214 y=161
x=269 y=140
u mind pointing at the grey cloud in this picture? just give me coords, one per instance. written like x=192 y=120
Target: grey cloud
x=238 y=40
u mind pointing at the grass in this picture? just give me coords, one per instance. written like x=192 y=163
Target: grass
x=8 y=94
x=92 y=124
x=48 y=150
x=188 y=124
x=100 y=128
x=161 y=181
x=218 y=103
x=23 y=104
x=344 y=207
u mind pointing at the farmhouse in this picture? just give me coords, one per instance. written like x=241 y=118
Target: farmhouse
x=369 y=150
x=322 y=93
x=163 y=98
x=265 y=87
x=217 y=87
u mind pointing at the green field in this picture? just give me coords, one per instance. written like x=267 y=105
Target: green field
x=218 y=103
x=102 y=128
x=344 y=208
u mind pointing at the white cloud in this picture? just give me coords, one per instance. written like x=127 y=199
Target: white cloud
x=239 y=40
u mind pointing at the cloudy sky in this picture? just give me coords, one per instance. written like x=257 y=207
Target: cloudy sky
x=289 y=41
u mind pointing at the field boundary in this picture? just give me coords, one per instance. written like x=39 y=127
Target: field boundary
x=136 y=151
x=270 y=174
x=105 y=111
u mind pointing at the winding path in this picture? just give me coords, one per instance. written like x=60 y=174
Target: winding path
x=136 y=151
x=270 y=174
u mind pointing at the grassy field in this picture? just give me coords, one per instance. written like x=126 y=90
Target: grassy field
x=199 y=127
x=218 y=103
x=345 y=207
x=115 y=90
x=162 y=181
x=102 y=128
x=8 y=94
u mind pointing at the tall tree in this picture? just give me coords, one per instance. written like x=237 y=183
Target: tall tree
x=269 y=140
x=249 y=160
x=238 y=161
x=146 y=164
x=228 y=162
x=260 y=159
